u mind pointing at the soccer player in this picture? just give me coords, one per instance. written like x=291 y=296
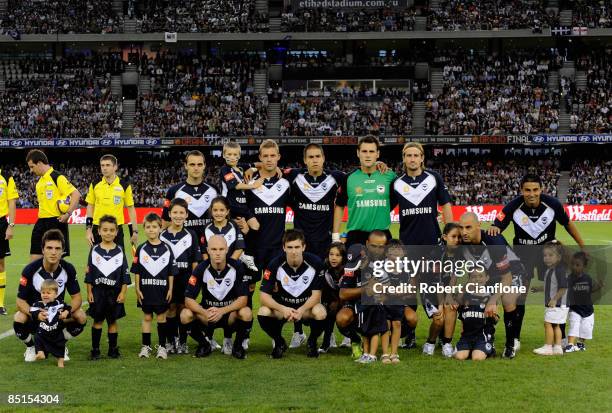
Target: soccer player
x=51 y=189
x=196 y=192
x=224 y=299
x=366 y=191
x=108 y=197
x=50 y=266
x=154 y=268
x=534 y=216
x=419 y=192
x=8 y=208
x=186 y=250
x=291 y=291
x=107 y=278
x=501 y=264
x=49 y=314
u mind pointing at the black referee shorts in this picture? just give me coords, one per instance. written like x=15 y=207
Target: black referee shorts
x=5 y=249
x=119 y=239
x=43 y=225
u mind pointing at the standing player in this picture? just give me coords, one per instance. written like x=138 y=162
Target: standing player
x=291 y=291
x=534 y=216
x=196 y=192
x=8 y=208
x=366 y=191
x=224 y=299
x=108 y=197
x=51 y=189
x=50 y=266
x=502 y=265
x=186 y=250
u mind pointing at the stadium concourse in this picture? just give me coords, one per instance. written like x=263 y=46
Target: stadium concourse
x=507 y=97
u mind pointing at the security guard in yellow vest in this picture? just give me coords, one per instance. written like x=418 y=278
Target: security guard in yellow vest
x=52 y=190
x=108 y=197
x=8 y=207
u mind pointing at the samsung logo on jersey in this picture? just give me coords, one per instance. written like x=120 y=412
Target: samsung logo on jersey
x=106 y=281
x=416 y=211
x=473 y=314
x=197 y=222
x=371 y=203
x=269 y=210
x=533 y=241
x=313 y=207
x=182 y=264
x=150 y=281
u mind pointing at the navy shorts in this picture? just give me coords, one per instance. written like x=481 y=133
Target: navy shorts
x=105 y=306
x=478 y=342
x=394 y=312
x=157 y=309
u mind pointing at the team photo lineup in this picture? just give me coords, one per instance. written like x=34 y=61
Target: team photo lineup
x=305 y=205
x=221 y=243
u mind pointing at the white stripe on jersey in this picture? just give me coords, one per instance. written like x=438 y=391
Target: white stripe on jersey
x=230 y=236
x=270 y=195
x=107 y=267
x=152 y=266
x=197 y=206
x=61 y=280
x=314 y=194
x=534 y=229
x=181 y=245
x=298 y=286
x=415 y=195
x=219 y=290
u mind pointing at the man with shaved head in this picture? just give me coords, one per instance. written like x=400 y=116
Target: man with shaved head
x=502 y=265
x=224 y=298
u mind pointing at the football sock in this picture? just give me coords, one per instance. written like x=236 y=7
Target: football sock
x=22 y=333
x=240 y=327
x=510 y=325
x=183 y=329
x=520 y=314
x=195 y=331
x=297 y=327
x=351 y=333
x=172 y=328
x=2 y=287
x=271 y=326
x=161 y=333
x=112 y=340
x=96 y=334
x=562 y=327
x=146 y=339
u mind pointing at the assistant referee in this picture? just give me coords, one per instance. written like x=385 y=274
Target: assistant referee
x=8 y=208
x=108 y=197
x=51 y=188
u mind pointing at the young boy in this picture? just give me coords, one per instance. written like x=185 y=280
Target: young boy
x=107 y=277
x=184 y=245
x=49 y=313
x=476 y=338
x=582 y=312
x=154 y=268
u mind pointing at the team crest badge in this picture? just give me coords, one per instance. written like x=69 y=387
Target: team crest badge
x=305 y=279
x=544 y=220
x=227 y=281
x=145 y=259
x=206 y=198
x=359 y=190
x=324 y=185
x=424 y=186
x=285 y=280
x=525 y=220
x=380 y=189
x=407 y=188
x=211 y=283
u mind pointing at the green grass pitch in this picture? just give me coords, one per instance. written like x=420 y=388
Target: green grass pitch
x=331 y=383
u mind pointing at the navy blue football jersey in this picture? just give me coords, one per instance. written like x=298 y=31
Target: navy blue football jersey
x=231 y=233
x=580 y=291
x=472 y=313
x=268 y=204
x=293 y=287
x=496 y=255
x=418 y=199
x=34 y=274
x=219 y=288
x=532 y=226
x=185 y=248
x=107 y=268
x=230 y=177
x=155 y=265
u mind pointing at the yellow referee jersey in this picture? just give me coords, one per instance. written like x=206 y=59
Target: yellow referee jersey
x=110 y=199
x=8 y=191
x=50 y=188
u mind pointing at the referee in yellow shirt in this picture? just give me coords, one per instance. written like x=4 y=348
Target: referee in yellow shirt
x=51 y=188
x=8 y=207
x=108 y=197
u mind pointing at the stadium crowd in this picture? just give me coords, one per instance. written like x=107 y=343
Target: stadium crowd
x=454 y=15
x=365 y=20
x=590 y=182
x=64 y=98
x=493 y=94
x=61 y=17
x=591 y=13
x=193 y=96
x=346 y=111
x=197 y=16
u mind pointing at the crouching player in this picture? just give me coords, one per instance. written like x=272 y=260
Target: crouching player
x=478 y=330
x=50 y=266
x=107 y=277
x=224 y=299
x=291 y=291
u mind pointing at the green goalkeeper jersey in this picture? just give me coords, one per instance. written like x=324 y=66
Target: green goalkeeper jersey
x=368 y=199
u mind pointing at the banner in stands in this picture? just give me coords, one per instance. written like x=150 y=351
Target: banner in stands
x=152 y=142
x=486 y=213
x=348 y=4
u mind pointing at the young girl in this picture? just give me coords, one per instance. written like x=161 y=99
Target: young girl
x=334 y=269
x=186 y=250
x=107 y=278
x=154 y=269
x=582 y=312
x=451 y=238
x=555 y=289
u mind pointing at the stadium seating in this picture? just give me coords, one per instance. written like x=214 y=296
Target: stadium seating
x=326 y=20
x=591 y=182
